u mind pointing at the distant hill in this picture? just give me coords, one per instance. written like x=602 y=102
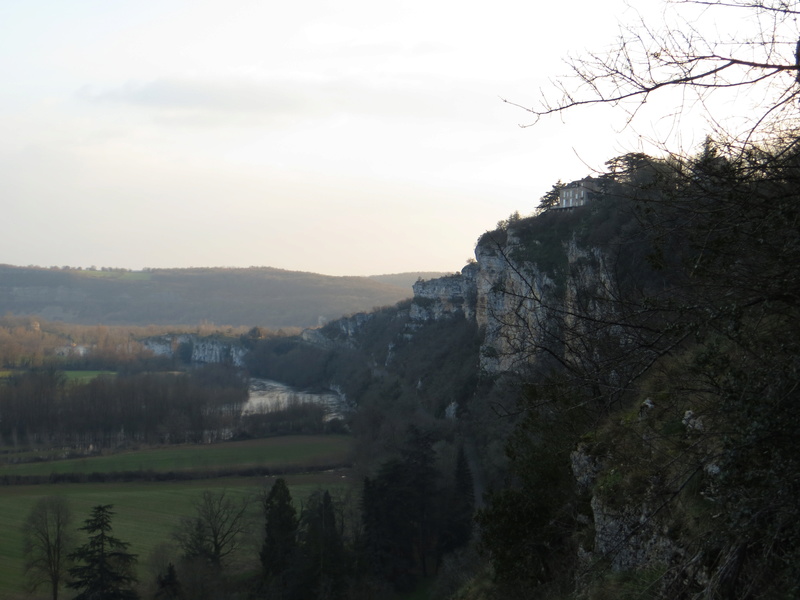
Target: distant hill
x=257 y=296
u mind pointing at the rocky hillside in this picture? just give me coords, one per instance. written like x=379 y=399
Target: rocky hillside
x=623 y=377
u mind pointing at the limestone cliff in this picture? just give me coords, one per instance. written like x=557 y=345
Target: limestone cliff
x=524 y=297
x=197 y=349
x=341 y=331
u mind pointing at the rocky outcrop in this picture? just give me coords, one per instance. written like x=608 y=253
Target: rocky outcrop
x=518 y=304
x=629 y=536
x=505 y=296
x=210 y=351
x=197 y=349
x=512 y=305
x=445 y=297
x=343 y=331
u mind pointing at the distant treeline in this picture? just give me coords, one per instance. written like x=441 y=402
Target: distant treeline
x=29 y=342
x=42 y=407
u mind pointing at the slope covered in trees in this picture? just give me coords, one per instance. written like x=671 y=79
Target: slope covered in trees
x=258 y=296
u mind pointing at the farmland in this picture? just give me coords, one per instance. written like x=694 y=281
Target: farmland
x=279 y=454
x=147 y=511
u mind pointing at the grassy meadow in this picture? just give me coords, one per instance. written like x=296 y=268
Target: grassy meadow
x=147 y=512
x=71 y=375
x=85 y=376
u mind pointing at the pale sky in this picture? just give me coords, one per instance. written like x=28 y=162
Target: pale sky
x=348 y=138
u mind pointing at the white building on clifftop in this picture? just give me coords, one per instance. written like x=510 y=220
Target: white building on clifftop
x=578 y=193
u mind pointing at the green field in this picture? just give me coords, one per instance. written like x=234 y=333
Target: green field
x=147 y=512
x=76 y=376
x=84 y=376
x=275 y=453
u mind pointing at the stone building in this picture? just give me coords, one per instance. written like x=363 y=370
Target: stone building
x=578 y=193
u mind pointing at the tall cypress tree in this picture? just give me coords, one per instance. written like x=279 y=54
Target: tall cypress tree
x=104 y=565
x=323 y=559
x=418 y=458
x=280 y=530
x=389 y=531
x=400 y=513
x=458 y=518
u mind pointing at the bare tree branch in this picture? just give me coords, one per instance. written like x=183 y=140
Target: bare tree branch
x=645 y=61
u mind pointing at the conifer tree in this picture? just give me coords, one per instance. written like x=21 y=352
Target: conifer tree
x=280 y=530
x=103 y=569
x=169 y=588
x=400 y=513
x=323 y=564
x=457 y=519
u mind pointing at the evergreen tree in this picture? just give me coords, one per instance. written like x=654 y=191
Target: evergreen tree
x=323 y=560
x=400 y=513
x=420 y=482
x=457 y=518
x=104 y=565
x=550 y=198
x=389 y=539
x=169 y=588
x=280 y=530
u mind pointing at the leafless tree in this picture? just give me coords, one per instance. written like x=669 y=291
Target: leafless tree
x=47 y=539
x=762 y=67
x=217 y=529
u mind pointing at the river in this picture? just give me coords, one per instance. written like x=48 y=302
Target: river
x=266 y=395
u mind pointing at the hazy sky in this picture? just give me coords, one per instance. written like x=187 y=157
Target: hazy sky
x=348 y=137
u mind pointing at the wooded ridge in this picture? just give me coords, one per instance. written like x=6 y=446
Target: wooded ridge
x=255 y=296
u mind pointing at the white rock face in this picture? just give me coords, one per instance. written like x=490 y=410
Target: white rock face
x=503 y=297
x=511 y=308
x=211 y=351
x=513 y=301
x=445 y=297
x=164 y=345
x=344 y=331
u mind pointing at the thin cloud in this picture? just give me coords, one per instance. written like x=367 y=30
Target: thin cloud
x=199 y=94
x=417 y=98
